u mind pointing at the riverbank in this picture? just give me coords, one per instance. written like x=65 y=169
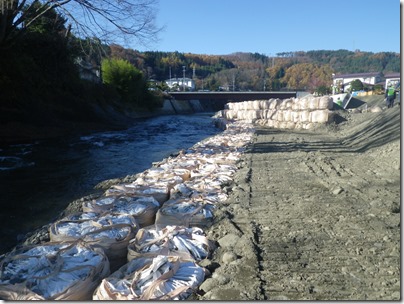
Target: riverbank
x=312 y=215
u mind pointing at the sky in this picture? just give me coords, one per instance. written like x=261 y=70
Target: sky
x=221 y=27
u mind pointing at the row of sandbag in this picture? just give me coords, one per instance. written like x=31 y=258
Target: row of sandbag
x=294 y=113
x=187 y=201
x=146 y=232
x=295 y=104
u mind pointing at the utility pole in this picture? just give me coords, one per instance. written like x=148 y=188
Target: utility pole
x=170 y=81
x=183 y=76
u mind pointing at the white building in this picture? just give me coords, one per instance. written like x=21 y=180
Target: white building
x=343 y=81
x=179 y=83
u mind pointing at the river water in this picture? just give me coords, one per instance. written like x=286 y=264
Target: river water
x=39 y=180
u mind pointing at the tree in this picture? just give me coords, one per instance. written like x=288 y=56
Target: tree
x=125 y=78
x=308 y=76
x=121 y=19
x=356 y=85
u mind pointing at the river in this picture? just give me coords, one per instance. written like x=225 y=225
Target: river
x=39 y=180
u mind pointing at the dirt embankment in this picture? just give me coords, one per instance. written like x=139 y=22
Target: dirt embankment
x=313 y=215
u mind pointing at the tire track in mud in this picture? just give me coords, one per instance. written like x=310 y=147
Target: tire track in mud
x=313 y=216
x=312 y=242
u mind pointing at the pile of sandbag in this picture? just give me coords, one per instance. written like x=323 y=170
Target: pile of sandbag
x=142 y=208
x=194 y=212
x=158 y=278
x=293 y=113
x=188 y=243
x=158 y=190
x=111 y=232
x=53 y=271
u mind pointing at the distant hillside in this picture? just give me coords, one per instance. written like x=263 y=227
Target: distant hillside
x=254 y=71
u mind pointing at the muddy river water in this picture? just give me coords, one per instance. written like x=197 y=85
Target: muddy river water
x=39 y=180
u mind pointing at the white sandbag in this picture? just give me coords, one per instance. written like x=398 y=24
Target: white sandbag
x=275 y=103
x=170 y=180
x=299 y=125
x=280 y=115
x=188 y=243
x=308 y=126
x=229 y=105
x=295 y=116
x=296 y=105
x=255 y=105
x=183 y=162
x=304 y=104
x=142 y=208
x=321 y=116
x=53 y=271
x=290 y=125
x=287 y=115
x=304 y=116
x=111 y=232
x=287 y=104
x=231 y=114
x=272 y=114
x=270 y=123
x=325 y=103
x=313 y=103
x=185 y=212
x=213 y=196
x=159 y=191
x=159 y=278
x=282 y=125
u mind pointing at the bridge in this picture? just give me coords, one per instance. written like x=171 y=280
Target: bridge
x=215 y=101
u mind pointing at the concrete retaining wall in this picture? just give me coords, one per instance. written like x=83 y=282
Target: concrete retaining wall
x=171 y=107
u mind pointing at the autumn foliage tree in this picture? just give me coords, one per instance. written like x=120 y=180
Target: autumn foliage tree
x=308 y=76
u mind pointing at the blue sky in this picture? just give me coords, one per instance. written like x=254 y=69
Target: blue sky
x=219 y=27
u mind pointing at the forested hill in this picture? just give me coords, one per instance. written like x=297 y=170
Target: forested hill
x=253 y=71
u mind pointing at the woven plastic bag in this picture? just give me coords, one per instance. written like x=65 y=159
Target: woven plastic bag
x=142 y=208
x=158 y=278
x=52 y=271
x=111 y=232
x=189 y=243
x=185 y=212
x=159 y=191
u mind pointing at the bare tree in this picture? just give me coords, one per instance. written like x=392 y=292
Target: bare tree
x=118 y=21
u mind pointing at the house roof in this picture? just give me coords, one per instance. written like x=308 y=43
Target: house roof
x=392 y=75
x=360 y=75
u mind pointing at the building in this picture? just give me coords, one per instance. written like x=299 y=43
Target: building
x=177 y=84
x=342 y=82
x=394 y=79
